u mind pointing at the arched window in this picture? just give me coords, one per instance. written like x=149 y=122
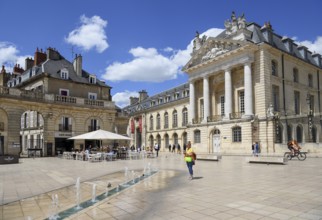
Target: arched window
x=175 y=139
x=274 y=68
x=237 y=134
x=151 y=123
x=174 y=119
x=166 y=120
x=184 y=117
x=196 y=136
x=299 y=134
x=158 y=122
x=166 y=140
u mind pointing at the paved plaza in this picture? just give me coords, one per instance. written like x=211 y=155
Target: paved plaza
x=228 y=189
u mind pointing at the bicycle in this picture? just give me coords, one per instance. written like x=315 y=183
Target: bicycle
x=300 y=155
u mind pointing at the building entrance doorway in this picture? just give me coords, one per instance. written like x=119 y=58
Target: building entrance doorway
x=216 y=141
x=1 y=145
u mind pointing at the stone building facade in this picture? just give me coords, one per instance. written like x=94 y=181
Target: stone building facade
x=51 y=100
x=246 y=85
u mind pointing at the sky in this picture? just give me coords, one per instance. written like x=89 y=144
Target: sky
x=135 y=45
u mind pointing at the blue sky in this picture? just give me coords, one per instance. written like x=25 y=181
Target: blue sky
x=140 y=44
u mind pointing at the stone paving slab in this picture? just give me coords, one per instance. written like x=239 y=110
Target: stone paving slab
x=231 y=189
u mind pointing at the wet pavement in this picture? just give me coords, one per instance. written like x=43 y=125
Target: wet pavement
x=228 y=189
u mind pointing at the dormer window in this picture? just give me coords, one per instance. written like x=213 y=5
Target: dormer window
x=64 y=74
x=92 y=79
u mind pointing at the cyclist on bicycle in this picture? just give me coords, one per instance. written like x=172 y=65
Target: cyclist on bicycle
x=293 y=146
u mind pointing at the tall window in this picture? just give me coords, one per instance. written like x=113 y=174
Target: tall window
x=299 y=136
x=201 y=108
x=296 y=102
x=166 y=140
x=274 y=68
x=174 y=119
x=311 y=107
x=289 y=133
x=275 y=90
x=237 y=135
x=295 y=75
x=94 y=125
x=151 y=123
x=158 y=121
x=313 y=134
x=222 y=105
x=278 y=133
x=310 y=80
x=92 y=96
x=241 y=102
x=175 y=139
x=196 y=136
x=166 y=120
x=66 y=124
x=184 y=117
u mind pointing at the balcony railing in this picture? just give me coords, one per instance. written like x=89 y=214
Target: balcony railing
x=214 y=118
x=63 y=127
x=236 y=115
x=67 y=99
x=94 y=102
x=197 y=120
x=35 y=95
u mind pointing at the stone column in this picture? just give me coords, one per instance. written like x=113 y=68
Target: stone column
x=228 y=93
x=192 y=102
x=206 y=98
x=248 y=90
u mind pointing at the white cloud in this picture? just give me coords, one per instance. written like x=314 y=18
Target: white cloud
x=9 y=56
x=315 y=46
x=149 y=65
x=122 y=99
x=90 y=34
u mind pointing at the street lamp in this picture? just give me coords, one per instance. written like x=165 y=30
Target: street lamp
x=276 y=118
x=309 y=115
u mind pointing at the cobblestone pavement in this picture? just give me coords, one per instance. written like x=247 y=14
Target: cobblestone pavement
x=228 y=189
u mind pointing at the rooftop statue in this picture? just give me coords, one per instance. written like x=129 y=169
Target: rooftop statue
x=235 y=24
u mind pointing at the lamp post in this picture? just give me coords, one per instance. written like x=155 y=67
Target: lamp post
x=276 y=118
x=310 y=116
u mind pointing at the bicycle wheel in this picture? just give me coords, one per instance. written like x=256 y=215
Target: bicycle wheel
x=289 y=156
x=301 y=156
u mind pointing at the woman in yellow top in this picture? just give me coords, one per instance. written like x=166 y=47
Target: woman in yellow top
x=189 y=157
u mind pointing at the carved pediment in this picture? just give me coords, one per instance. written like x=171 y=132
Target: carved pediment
x=213 y=48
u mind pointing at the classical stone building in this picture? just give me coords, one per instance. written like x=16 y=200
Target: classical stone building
x=246 y=85
x=51 y=100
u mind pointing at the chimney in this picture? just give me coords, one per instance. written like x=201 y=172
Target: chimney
x=52 y=54
x=39 y=57
x=17 y=70
x=4 y=77
x=133 y=100
x=3 y=70
x=143 y=95
x=288 y=43
x=267 y=32
x=303 y=51
x=78 y=62
x=317 y=59
x=29 y=62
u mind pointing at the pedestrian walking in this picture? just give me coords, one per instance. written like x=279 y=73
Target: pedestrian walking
x=190 y=157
